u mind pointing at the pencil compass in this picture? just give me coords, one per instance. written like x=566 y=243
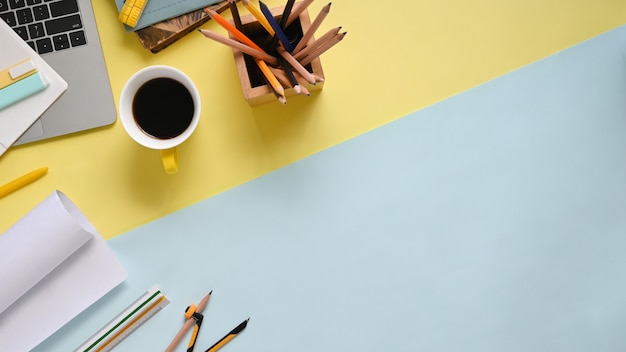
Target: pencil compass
x=194 y=317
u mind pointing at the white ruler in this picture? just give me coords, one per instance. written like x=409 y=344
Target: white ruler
x=126 y=322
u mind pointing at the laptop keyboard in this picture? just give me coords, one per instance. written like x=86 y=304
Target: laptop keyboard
x=46 y=25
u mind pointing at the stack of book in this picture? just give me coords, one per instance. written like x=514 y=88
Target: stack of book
x=159 y=36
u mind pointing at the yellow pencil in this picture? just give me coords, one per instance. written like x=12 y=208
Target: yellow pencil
x=22 y=181
x=259 y=16
x=271 y=79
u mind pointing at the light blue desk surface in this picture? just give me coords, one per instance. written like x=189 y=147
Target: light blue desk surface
x=492 y=221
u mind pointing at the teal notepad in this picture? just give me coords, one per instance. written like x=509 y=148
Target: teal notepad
x=22 y=89
x=156 y=11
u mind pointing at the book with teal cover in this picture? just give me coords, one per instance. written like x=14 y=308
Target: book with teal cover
x=159 y=10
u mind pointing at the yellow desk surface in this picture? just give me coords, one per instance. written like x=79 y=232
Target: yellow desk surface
x=394 y=60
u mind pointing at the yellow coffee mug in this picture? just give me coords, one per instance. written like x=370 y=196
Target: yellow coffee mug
x=160 y=108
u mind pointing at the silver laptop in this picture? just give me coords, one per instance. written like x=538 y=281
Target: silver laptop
x=64 y=33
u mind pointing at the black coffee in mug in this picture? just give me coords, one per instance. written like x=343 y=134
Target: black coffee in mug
x=163 y=107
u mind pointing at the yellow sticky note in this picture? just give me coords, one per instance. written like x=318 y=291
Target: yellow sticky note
x=17 y=72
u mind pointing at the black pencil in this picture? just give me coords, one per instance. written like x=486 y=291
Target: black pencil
x=289 y=73
x=235 y=12
x=286 y=13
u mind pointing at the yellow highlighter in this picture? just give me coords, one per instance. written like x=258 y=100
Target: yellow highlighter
x=22 y=181
x=131 y=11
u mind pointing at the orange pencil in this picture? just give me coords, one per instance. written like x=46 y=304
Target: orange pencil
x=231 y=29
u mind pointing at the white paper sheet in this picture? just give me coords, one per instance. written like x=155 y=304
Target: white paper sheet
x=53 y=265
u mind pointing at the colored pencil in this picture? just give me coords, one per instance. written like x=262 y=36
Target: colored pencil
x=279 y=33
x=282 y=76
x=258 y=15
x=235 y=13
x=297 y=10
x=296 y=65
x=245 y=40
x=272 y=80
x=311 y=30
x=289 y=73
x=231 y=29
x=322 y=48
x=286 y=12
x=319 y=41
x=239 y=46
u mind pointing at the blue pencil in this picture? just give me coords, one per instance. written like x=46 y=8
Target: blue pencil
x=280 y=34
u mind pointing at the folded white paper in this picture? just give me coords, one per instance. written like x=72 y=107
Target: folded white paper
x=53 y=265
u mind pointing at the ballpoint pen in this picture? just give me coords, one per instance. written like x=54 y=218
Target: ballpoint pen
x=22 y=181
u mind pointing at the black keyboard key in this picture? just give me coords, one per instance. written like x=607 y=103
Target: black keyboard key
x=24 y=16
x=4 y=5
x=61 y=41
x=9 y=18
x=22 y=32
x=63 y=7
x=78 y=38
x=44 y=45
x=63 y=24
x=16 y=4
x=41 y=12
x=33 y=2
x=35 y=30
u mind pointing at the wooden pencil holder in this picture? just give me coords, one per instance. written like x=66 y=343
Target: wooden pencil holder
x=255 y=89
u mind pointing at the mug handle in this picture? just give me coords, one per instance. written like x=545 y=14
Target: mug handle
x=170 y=160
